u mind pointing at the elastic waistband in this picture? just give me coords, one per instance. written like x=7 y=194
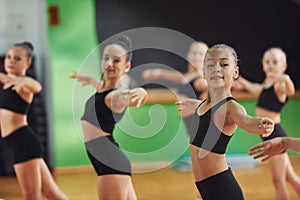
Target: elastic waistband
x=102 y=138
x=213 y=176
x=15 y=133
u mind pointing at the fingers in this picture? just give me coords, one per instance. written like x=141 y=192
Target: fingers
x=7 y=85
x=139 y=103
x=267 y=125
x=74 y=74
x=255 y=150
x=134 y=96
x=178 y=103
x=259 y=156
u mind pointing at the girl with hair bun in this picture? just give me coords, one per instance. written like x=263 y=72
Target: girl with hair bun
x=16 y=95
x=102 y=111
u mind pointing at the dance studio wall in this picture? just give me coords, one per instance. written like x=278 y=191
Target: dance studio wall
x=70 y=42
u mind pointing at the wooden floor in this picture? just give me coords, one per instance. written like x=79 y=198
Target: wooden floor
x=165 y=184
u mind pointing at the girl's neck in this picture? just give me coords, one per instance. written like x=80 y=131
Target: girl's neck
x=110 y=83
x=11 y=74
x=269 y=80
x=218 y=94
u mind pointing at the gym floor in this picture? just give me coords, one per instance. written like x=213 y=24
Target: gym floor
x=165 y=184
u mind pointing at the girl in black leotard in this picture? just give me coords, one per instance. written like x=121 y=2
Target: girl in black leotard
x=219 y=116
x=102 y=111
x=272 y=95
x=16 y=95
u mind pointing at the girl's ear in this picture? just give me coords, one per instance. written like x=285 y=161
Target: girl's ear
x=236 y=73
x=284 y=67
x=128 y=66
x=29 y=62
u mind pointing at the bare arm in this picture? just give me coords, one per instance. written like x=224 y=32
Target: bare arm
x=187 y=107
x=170 y=75
x=3 y=78
x=24 y=84
x=253 y=88
x=200 y=85
x=285 y=85
x=256 y=125
x=86 y=80
x=275 y=146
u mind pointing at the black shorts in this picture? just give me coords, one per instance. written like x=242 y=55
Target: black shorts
x=24 y=145
x=106 y=156
x=277 y=132
x=221 y=186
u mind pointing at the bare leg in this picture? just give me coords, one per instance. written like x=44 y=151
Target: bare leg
x=49 y=187
x=29 y=178
x=111 y=187
x=278 y=166
x=131 y=193
x=292 y=177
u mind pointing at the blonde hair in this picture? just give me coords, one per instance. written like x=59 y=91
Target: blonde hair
x=278 y=50
x=223 y=46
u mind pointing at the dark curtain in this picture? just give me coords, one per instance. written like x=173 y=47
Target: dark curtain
x=249 y=26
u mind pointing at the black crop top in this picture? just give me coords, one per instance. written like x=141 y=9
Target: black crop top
x=269 y=100
x=97 y=113
x=208 y=136
x=10 y=100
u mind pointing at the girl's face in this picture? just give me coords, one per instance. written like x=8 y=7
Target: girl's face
x=196 y=54
x=114 y=62
x=16 y=61
x=273 y=63
x=220 y=68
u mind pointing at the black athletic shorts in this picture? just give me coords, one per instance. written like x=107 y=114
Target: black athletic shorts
x=107 y=157
x=221 y=186
x=24 y=145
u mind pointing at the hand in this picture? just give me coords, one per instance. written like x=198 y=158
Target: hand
x=187 y=107
x=4 y=78
x=268 y=148
x=136 y=96
x=267 y=125
x=84 y=80
x=17 y=83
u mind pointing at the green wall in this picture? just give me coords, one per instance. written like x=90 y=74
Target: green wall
x=70 y=43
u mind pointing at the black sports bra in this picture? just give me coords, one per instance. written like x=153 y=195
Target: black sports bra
x=10 y=100
x=97 y=113
x=269 y=100
x=208 y=136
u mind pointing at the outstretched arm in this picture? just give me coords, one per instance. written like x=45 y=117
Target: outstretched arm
x=86 y=80
x=253 y=88
x=256 y=125
x=284 y=85
x=200 y=85
x=187 y=107
x=170 y=75
x=23 y=84
x=3 y=78
x=275 y=146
